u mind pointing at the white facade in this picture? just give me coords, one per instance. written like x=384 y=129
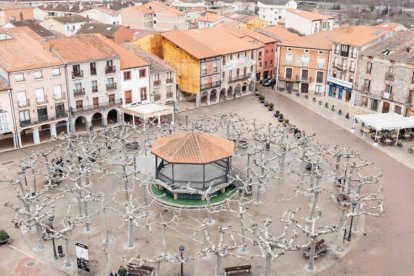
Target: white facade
x=68 y=29
x=248 y=7
x=307 y=26
x=110 y=17
x=273 y=13
x=185 y=5
x=163 y=86
x=6 y=116
x=138 y=85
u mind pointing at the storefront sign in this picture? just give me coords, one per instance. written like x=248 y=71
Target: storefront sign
x=82 y=256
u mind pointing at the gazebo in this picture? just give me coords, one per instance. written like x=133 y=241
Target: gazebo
x=190 y=163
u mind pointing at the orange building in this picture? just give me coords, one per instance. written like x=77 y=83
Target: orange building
x=304 y=63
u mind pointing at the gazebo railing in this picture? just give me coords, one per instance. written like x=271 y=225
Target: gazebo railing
x=199 y=185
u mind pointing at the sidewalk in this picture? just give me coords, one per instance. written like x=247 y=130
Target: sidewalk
x=400 y=154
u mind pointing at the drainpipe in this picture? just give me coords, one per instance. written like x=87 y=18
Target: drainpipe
x=16 y=133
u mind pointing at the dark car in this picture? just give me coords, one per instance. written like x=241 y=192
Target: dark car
x=269 y=82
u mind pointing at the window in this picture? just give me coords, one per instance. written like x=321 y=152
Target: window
x=305 y=75
x=320 y=52
x=128 y=96
x=78 y=86
x=79 y=105
x=251 y=68
x=412 y=78
x=92 y=66
x=306 y=51
x=143 y=92
x=60 y=110
x=94 y=85
x=265 y=63
x=271 y=61
x=42 y=114
x=388 y=89
x=76 y=69
x=21 y=99
x=215 y=67
x=238 y=55
x=56 y=71
x=109 y=63
x=110 y=81
x=410 y=97
x=298 y=61
x=252 y=55
x=204 y=69
x=289 y=58
x=224 y=60
x=127 y=75
x=57 y=92
x=95 y=101
x=4 y=126
x=40 y=95
x=288 y=74
x=111 y=98
x=260 y=55
x=19 y=77
x=142 y=73
x=397 y=109
x=319 y=77
x=305 y=61
x=24 y=116
x=320 y=63
x=38 y=74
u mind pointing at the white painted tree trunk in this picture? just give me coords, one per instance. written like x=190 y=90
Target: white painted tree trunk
x=41 y=244
x=217 y=271
x=130 y=241
x=268 y=260
x=67 y=254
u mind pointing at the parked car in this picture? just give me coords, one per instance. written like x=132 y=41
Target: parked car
x=269 y=82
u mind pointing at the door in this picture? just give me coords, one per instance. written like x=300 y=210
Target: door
x=348 y=96
x=385 y=107
x=95 y=102
x=304 y=87
x=128 y=96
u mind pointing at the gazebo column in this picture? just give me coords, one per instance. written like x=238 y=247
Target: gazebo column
x=159 y=119
x=204 y=176
x=133 y=120
x=156 y=167
x=172 y=174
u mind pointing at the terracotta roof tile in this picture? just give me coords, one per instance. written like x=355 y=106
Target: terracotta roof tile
x=4 y=85
x=322 y=40
x=82 y=48
x=210 y=17
x=107 y=11
x=360 y=35
x=281 y=33
x=20 y=51
x=160 y=7
x=192 y=148
x=252 y=34
x=209 y=42
x=310 y=15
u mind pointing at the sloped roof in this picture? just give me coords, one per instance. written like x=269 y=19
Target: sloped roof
x=192 y=148
x=70 y=19
x=208 y=42
x=321 y=40
x=160 y=7
x=39 y=30
x=362 y=34
x=400 y=48
x=281 y=33
x=310 y=15
x=252 y=34
x=107 y=30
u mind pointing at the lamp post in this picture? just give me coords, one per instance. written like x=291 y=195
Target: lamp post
x=181 y=248
x=50 y=219
x=352 y=220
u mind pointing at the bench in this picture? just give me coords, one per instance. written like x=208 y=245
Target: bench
x=142 y=270
x=242 y=270
x=320 y=249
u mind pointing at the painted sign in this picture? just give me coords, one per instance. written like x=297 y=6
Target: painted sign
x=82 y=256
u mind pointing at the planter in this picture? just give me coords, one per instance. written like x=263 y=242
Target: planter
x=347 y=115
x=3 y=242
x=270 y=108
x=314 y=99
x=4 y=237
x=340 y=112
x=320 y=102
x=297 y=94
x=306 y=97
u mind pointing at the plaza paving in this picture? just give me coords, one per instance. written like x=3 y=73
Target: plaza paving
x=386 y=250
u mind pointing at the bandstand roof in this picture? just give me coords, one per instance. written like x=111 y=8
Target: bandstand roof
x=386 y=121
x=192 y=147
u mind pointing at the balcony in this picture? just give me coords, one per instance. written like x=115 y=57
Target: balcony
x=238 y=78
x=79 y=92
x=351 y=69
x=365 y=89
x=386 y=95
x=94 y=89
x=157 y=82
x=59 y=98
x=210 y=85
x=23 y=104
x=42 y=100
x=306 y=79
x=43 y=119
x=289 y=78
x=170 y=94
x=340 y=67
x=389 y=76
x=170 y=80
x=77 y=75
x=353 y=55
x=102 y=105
x=110 y=69
x=111 y=86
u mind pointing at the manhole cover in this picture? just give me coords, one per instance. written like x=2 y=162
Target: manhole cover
x=30 y=263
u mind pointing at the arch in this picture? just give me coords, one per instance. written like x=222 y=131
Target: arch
x=44 y=132
x=26 y=137
x=237 y=90
x=229 y=92
x=80 y=123
x=61 y=127
x=251 y=86
x=96 y=119
x=203 y=98
x=244 y=87
x=223 y=95
x=213 y=96
x=113 y=116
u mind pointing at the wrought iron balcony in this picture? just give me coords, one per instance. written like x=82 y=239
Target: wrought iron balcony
x=157 y=82
x=79 y=92
x=210 y=85
x=111 y=86
x=23 y=104
x=110 y=69
x=170 y=80
x=77 y=75
x=102 y=105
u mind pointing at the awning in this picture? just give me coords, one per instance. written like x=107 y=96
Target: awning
x=149 y=110
x=386 y=121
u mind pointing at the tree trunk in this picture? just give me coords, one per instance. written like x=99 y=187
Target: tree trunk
x=268 y=260
x=315 y=201
x=311 y=265
x=130 y=226
x=41 y=244
x=67 y=254
x=217 y=271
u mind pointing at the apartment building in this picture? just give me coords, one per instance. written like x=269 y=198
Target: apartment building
x=11 y=13
x=93 y=80
x=210 y=19
x=273 y=11
x=346 y=48
x=162 y=80
x=8 y=136
x=36 y=79
x=67 y=25
x=307 y=23
x=207 y=70
x=386 y=77
x=103 y=15
x=117 y=33
x=154 y=15
x=304 y=63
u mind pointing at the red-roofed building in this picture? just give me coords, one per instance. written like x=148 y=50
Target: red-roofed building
x=307 y=23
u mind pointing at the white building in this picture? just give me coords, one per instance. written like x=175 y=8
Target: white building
x=103 y=15
x=188 y=4
x=93 y=80
x=245 y=7
x=6 y=112
x=272 y=11
x=67 y=25
x=308 y=23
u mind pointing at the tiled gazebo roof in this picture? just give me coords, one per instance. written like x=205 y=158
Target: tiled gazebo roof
x=192 y=148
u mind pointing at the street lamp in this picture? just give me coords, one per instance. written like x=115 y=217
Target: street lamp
x=352 y=220
x=181 y=248
x=50 y=219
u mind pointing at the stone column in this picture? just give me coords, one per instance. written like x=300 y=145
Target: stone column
x=53 y=133
x=36 y=138
x=198 y=100
x=104 y=121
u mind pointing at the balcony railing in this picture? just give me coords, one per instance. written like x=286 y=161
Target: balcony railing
x=111 y=86
x=170 y=94
x=306 y=79
x=340 y=67
x=170 y=80
x=210 y=85
x=110 y=69
x=365 y=89
x=157 y=82
x=60 y=98
x=25 y=103
x=79 y=92
x=42 y=119
x=387 y=95
x=289 y=78
x=77 y=75
x=94 y=89
x=102 y=105
x=389 y=76
x=42 y=100
x=239 y=77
